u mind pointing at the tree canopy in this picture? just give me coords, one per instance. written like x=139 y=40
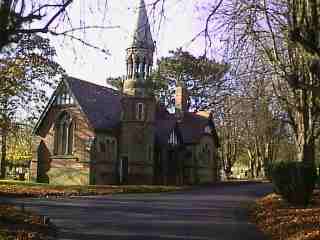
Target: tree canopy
x=202 y=76
x=27 y=71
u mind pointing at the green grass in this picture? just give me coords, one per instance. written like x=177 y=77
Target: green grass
x=4 y=236
x=40 y=189
x=17 y=182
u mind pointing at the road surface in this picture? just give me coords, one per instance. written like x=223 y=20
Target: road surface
x=202 y=213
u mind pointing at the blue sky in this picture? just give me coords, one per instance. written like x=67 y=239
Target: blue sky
x=180 y=25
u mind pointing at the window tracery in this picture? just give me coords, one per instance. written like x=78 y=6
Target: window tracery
x=64 y=98
x=173 y=138
x=64 y=135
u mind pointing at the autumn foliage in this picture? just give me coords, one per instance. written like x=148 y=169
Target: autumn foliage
x=16 y=223
x=36 y=190
x=280 y=220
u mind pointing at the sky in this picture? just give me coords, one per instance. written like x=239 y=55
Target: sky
x=177 y=29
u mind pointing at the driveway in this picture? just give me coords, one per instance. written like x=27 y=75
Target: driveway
x=202 y=213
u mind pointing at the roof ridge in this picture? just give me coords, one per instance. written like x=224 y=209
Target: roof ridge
x=92 y=83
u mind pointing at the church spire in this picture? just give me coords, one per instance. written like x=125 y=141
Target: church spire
x=142 y=37
x=139 y=54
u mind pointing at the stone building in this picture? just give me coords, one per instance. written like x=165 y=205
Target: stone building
x=92 y=134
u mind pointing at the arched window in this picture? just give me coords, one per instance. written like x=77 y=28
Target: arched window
x=64 y=131
x=140 y=112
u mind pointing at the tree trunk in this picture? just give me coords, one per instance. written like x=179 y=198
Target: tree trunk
x=305 y=132
x=306 y=152
x=252 y=160
x=3 y=155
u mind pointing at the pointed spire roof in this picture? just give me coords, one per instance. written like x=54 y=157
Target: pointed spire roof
x=142 y=37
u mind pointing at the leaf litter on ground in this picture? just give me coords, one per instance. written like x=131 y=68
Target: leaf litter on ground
x=281 y=221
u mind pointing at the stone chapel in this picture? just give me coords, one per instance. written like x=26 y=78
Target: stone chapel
x=93 y=134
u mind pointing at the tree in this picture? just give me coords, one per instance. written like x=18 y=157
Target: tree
x=304 y=28
x=304 y=24
x=202 y=76
x=260 y=31
x=248 y=129
x=116 y=82
x=19 y=146
x=16 y=16
x=20 y=17
x=231 y=130
x=27 y=71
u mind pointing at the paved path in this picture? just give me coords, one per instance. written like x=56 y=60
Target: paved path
x=203 y=213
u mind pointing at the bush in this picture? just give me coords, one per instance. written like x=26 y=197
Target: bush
x=294 y=181
x=318 y=181
x=4 y=236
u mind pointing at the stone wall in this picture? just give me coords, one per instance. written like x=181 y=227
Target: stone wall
x=104 y=160
x=137 y=140
x=64 y=169
x=207 y=160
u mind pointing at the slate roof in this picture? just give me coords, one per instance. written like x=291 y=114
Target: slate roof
x=102 y=106
x=192 y=127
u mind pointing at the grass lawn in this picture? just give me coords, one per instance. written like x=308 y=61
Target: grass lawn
x=28 y=189
x=281 y=221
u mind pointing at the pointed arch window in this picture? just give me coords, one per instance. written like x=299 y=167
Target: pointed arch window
x=64 y=134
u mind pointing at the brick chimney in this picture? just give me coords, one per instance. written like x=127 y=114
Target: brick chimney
x=181 y=101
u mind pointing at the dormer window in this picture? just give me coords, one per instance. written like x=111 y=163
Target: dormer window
x=173 y=139
x=140 y=112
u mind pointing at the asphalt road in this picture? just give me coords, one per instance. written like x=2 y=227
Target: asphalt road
x=203 y=213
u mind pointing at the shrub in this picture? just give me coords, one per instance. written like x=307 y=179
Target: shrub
x=294 y=181
x=4 y=236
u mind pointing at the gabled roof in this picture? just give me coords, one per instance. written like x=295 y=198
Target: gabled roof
x=142 y=37
x=102 y=105
x=191 y=128
x=45 y=111
x=193 y=125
